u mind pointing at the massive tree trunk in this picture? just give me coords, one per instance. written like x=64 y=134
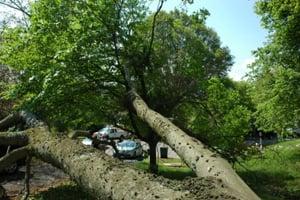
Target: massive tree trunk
x=107 y=178
x=195 y=154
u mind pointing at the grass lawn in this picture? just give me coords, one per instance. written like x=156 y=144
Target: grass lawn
x=172 y=168
x=275 y=174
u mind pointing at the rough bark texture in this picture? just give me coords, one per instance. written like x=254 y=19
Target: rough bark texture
x=9 y=120
x=12 y=157
x=196 y=155
x=14 y=138
x=107 y=178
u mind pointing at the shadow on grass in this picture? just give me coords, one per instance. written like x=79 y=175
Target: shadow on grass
x=271 y=186
x=295 y=157
x=63 y=192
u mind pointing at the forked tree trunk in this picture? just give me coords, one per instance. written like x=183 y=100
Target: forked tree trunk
x=195 y=154
x=107 y=178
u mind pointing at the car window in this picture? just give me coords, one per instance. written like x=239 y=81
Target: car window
x=104 y=130
x=127 y=144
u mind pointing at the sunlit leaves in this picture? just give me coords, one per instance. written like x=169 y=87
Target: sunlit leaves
x=276 y=70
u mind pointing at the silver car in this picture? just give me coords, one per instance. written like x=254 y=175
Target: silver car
x=129 y=149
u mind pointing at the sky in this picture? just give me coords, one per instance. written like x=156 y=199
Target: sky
x=237 y=26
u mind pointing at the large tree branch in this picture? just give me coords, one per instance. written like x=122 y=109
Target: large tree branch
x=17 y=7
x=9 y=121
x=103 y=176
x=159 y=7
x=12 y=157
x=13 y=138
x=107 y=178
x=196 y=155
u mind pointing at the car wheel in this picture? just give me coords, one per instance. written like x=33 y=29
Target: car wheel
x=12 y=168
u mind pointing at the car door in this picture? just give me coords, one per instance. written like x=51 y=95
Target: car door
x=113 y=133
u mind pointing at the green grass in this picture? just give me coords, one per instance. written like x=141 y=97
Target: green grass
x=178 y=171
x=275 y=174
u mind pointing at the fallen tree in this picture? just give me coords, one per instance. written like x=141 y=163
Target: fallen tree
x=203 y=161
x=107 y=178
x=2 y=193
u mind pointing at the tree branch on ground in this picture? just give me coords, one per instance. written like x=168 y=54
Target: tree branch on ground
x=107 y=178
x=195 y=154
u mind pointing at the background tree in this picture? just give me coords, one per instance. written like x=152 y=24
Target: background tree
x=222 y=118
x=73 y=53
x=71 y=47
x=275 y=73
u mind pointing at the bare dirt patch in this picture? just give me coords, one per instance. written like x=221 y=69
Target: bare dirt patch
x=43 y=176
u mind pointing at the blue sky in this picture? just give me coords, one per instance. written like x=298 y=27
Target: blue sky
x=236 y=24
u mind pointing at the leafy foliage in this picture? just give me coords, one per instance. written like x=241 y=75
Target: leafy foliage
x=72 y=54
x=224 y=118
x=276 y=70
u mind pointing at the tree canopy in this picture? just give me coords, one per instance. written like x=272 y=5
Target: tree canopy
x=276 y=70
x=72 y=52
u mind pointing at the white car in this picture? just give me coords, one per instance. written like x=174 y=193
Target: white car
x=111 y=132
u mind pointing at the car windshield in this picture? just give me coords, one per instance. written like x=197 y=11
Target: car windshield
x=104 y=130
x=127 y=144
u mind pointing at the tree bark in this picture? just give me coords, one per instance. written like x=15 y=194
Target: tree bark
x=10 y=120
x=104 y=177
x=12 y=157
x=14 y=138
x=108 y=178
x=195 y=154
